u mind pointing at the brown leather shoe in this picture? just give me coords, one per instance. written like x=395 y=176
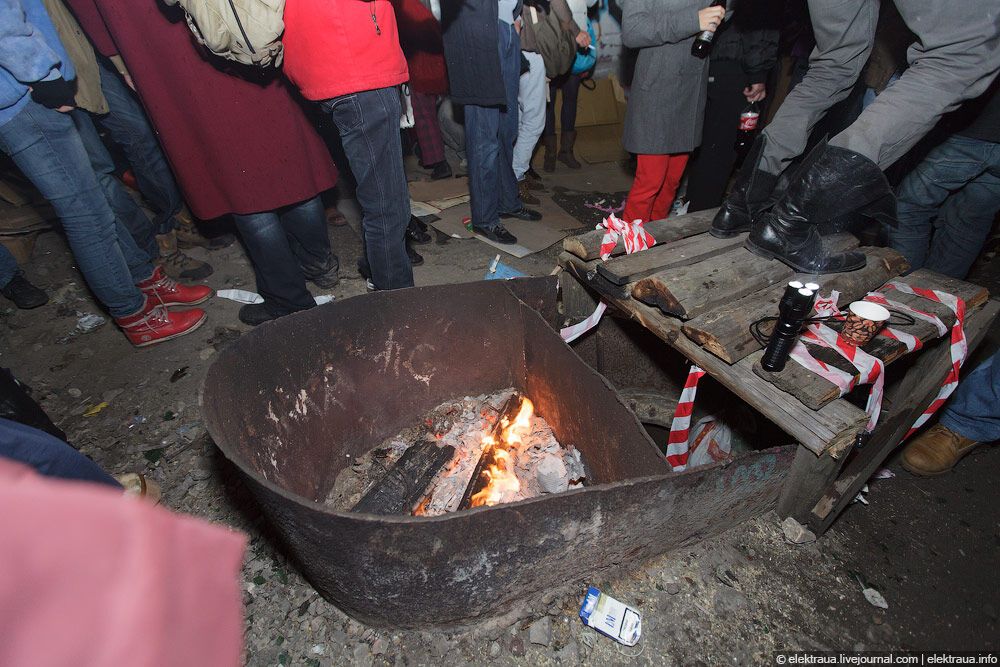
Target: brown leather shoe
x=176 y=264
x=936 y=451
x=525 y=193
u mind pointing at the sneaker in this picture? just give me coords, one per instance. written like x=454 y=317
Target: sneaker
x=165 y=291
x=526 y=214
x=255 y=314
x=24 y=295
x=416 y=231
x=524 y=193
x=155 y=324
x=440 y=171
x=497 y=234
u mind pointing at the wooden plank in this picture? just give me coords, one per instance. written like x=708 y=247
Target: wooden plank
x=909 y=398
x=692 y=290
x=629 y=268
x=833 y=426
x=807 y=481
x=588 y=246
x=815 y=391
x=725 y=331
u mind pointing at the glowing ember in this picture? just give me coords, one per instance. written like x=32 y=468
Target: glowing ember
x=502 y=478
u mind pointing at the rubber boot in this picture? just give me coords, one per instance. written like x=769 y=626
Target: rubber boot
x=566 y=156
x=750 y=195
x=549 y=142
x=178 y=265
x=831 y=182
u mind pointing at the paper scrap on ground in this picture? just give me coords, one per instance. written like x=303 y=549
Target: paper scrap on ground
x=611 y=617
x=500 y=271
x=422 y=209
x=244 y=296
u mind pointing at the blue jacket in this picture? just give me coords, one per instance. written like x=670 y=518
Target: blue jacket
x=30 y=51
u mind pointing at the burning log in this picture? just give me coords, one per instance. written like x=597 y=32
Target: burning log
x=405 y=484
x=493 y=454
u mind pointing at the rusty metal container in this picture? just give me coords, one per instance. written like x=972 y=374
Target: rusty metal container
x=292 y=402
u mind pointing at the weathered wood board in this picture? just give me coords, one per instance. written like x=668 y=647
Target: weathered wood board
x=588 y=246
x=685 y=252
x=725 y=331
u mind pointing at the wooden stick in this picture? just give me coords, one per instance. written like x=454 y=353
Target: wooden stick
x=406 y=482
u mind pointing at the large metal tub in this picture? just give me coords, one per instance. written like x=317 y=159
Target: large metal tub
x=292 y=402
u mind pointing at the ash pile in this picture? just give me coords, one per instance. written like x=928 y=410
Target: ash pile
x=476 y=451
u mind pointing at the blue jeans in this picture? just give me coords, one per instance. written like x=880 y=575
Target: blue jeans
x=126 y=209
x=490 y=133
x=48 y=455
x=47 y=148
x=129 y=127
x=957 y=190
x=8 y=266
x=368 y=124
x=974 y=409
x=285 y=246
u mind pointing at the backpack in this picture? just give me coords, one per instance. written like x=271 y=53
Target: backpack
x=556 y=47
x=246 y=31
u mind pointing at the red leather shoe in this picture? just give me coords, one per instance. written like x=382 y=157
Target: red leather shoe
x=167 y=292
x=155 y=324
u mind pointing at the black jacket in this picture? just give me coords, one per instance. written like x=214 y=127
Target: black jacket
x=471 y=50
x=750 y=37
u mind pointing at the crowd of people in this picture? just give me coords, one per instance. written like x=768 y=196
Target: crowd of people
x=204 y=138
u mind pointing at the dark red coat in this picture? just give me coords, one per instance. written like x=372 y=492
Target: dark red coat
x=237 y=144
x=420 y=37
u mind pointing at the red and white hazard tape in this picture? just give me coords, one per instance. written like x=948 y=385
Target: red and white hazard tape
x=574 y=331
x=959 y=346
x=870 y=369
x=633 y=234
x=677 y=443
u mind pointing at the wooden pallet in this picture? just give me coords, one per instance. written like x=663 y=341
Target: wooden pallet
x=701 y=294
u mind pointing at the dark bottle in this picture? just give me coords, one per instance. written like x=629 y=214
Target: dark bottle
x=748 y=128
x=702 y=44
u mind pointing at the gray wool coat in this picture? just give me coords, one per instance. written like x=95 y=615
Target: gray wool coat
x=666 y=105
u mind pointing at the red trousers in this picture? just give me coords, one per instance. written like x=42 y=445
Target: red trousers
x=654 y=187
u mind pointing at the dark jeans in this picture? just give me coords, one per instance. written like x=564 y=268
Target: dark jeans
x=47 y=148
x=285 y=246
x=126 y=209
x=974 y=409
x=128 y=125
x=368 y=124
x=957 y=190
x=48 y=455
x=569 y=84
x=712 y=163
x=490 y=133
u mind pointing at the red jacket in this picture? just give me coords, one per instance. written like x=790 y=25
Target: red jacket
x=332 y=47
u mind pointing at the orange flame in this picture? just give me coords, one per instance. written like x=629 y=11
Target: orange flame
x=500 y=473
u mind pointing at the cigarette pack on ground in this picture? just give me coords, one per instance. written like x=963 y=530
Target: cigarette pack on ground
x=611 y=617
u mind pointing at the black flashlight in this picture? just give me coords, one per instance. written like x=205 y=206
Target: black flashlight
x=793 y=310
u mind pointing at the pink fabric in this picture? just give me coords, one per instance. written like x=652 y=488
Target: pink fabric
x=89 y=577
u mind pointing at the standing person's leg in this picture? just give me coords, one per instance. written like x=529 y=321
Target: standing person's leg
x=126 y=210
x=955 y=58
x=130 y=129
x=47 y=148
x=428 y=133
x=531 y=117
x=305 y=227
x=482 y=125
x=650 y=175
x=368 y=123
x=549 y=140
x=948 y=167
x=280 y=279
x=971 y=416
x=567 y=118
x=964 y=225
x=671 y=181
x=510 y=71
x=844 y=34
x=712 y=164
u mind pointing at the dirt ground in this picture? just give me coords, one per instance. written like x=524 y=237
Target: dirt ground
x=930 y=546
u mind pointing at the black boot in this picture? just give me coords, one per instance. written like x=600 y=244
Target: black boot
x=24 y=295
x=831 y=182
x=416 y=231
x=750 y=195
